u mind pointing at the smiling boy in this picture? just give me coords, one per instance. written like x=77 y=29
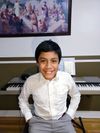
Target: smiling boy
x=49 y=89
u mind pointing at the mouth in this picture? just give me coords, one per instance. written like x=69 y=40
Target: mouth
x=48 y=72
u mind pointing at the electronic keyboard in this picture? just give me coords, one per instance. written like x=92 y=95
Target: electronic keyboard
x=88 y=85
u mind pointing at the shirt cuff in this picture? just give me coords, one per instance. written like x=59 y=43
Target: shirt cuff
x=28 y=116
x=71 y=113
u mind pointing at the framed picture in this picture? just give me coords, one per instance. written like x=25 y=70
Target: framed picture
x=35 y=18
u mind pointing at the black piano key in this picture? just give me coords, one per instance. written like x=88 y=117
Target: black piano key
x=12 y=85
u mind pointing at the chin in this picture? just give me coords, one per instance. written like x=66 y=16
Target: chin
x=49 y=77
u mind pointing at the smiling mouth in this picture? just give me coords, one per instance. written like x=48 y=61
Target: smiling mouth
x=48 y=72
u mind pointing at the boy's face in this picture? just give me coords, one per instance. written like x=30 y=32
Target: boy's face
x=48 y=64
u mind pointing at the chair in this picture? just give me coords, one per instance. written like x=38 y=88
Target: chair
x=80 y=126
x=26 y=128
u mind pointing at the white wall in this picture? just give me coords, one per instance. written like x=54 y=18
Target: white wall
x=84 y=38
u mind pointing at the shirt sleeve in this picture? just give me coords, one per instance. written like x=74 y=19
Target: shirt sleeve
x=23 y=101
x=75 y=98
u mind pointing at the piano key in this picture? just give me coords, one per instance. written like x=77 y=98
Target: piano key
x=14 y=87
x=89 y=88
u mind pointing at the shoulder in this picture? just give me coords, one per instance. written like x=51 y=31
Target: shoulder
x=33 y=77
x=63 y=74
x=32 y=81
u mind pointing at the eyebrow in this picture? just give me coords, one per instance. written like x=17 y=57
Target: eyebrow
x=46 y=58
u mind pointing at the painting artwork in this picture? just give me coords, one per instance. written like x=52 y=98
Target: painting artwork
x=35 y=18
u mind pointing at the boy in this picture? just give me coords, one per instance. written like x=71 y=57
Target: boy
x=49 y=89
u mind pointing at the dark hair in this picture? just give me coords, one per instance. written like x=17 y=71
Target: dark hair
x=47 y=46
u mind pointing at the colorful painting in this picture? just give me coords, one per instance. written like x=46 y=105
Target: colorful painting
x=35 y=17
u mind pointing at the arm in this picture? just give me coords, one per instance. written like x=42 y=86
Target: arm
x=75 y=99
x=23 y=101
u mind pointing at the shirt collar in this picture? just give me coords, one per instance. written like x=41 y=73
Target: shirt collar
x=41 y=77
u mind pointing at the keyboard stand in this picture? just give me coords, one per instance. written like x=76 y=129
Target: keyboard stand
x=81 y=126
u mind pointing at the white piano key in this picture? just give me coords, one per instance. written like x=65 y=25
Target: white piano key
x=16 y=87
x=89 y=88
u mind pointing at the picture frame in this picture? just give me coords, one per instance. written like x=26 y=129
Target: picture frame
x=19 y=18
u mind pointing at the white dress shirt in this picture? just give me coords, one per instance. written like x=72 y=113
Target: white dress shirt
x=49 y=96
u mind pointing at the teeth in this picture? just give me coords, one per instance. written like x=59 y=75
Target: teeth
x=48 y=72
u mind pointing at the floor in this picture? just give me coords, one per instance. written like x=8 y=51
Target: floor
x=16 y=125
x=91 y=125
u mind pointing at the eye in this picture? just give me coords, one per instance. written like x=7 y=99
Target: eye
x=54 y=61
x=42 y=60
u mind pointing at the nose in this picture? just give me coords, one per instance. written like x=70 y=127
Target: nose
x=49 y=64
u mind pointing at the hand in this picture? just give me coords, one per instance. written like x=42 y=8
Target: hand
x=28 y=120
